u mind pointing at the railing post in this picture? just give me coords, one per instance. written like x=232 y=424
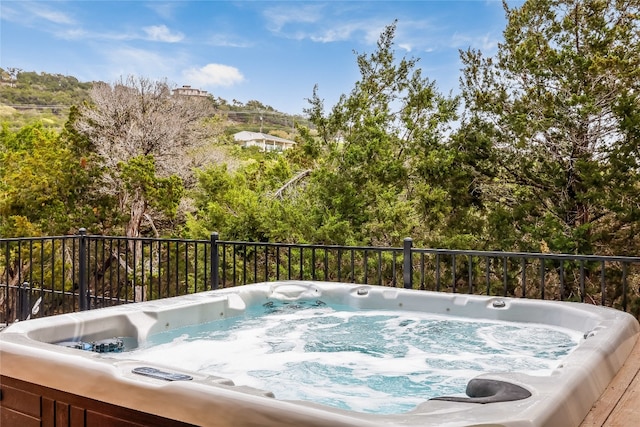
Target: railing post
x=215 y=260
x=82 y=270
x=24 y=302
x=407 y=275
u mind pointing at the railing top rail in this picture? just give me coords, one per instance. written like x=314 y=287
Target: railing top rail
x=537 y=255
x=146 y=239
x=41 y=238
x=311 y=246
x=496 y=254
x=100 y=237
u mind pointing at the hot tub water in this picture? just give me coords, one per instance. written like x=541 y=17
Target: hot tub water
x=370 y=361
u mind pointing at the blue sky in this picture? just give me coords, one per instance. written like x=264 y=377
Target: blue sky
x=270 y=51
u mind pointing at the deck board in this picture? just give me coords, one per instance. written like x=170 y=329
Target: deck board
x=619 y=404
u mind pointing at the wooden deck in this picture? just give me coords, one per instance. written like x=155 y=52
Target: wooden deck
x=619 y=405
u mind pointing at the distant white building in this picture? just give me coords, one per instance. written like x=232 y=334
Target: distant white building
x=262 y=140
x=187 y=90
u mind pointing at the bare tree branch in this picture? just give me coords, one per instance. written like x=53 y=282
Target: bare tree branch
x=292 y=181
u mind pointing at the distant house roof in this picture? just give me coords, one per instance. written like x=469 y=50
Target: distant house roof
x=262 y=140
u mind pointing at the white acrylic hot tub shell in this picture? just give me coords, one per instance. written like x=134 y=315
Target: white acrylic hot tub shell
x=562 y=399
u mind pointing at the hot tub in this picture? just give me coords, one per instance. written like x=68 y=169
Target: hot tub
x=62 y=367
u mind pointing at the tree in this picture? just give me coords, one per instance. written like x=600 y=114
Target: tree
x=43 y=183
x=13 y=75
x=374 y=141
x=144 y=137
x=146 y=140
x=558 y=110
x=240 y=202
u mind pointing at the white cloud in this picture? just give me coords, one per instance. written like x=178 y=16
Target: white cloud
x=8 y=13
x=213 y=75
x=369 y=31
x=162 y=34
x=282 y=15
x=308 y=21
x=224 y=40
x=321 y=24
x=338 y=33
x=153 y=33
x=82 y=34
x=72 y=34
x=374 y=28
x=164 y=10
x=128 y=55
x=422 y=35
x=29 y=13
x=53 y=16
x=132 y=61
x=486 y=43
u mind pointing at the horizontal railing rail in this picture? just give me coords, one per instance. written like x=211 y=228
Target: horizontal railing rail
x=43 y=276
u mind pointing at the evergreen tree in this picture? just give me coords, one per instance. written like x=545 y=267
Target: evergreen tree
x=557 y=110
x=375 y=141
x=43 y=184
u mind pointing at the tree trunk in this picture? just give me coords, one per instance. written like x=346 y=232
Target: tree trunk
x=138 y=209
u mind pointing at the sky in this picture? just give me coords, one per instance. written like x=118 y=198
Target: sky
x=274 y=52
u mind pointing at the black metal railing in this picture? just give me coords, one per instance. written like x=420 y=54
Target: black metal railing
x=50 y=275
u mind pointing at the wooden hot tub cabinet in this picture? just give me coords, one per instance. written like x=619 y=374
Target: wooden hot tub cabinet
x=24 y=404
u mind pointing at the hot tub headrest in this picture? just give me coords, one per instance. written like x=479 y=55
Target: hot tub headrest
x=294 y=291
x=482 y=390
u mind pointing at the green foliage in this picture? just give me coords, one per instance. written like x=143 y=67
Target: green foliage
x=374 y=143
x=42 y=182
x=555 y=109
x=239 y=204
x=139 y=177
x=42 y=89
x=28 y=97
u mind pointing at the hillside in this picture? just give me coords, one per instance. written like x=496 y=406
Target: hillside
x=27 y=96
